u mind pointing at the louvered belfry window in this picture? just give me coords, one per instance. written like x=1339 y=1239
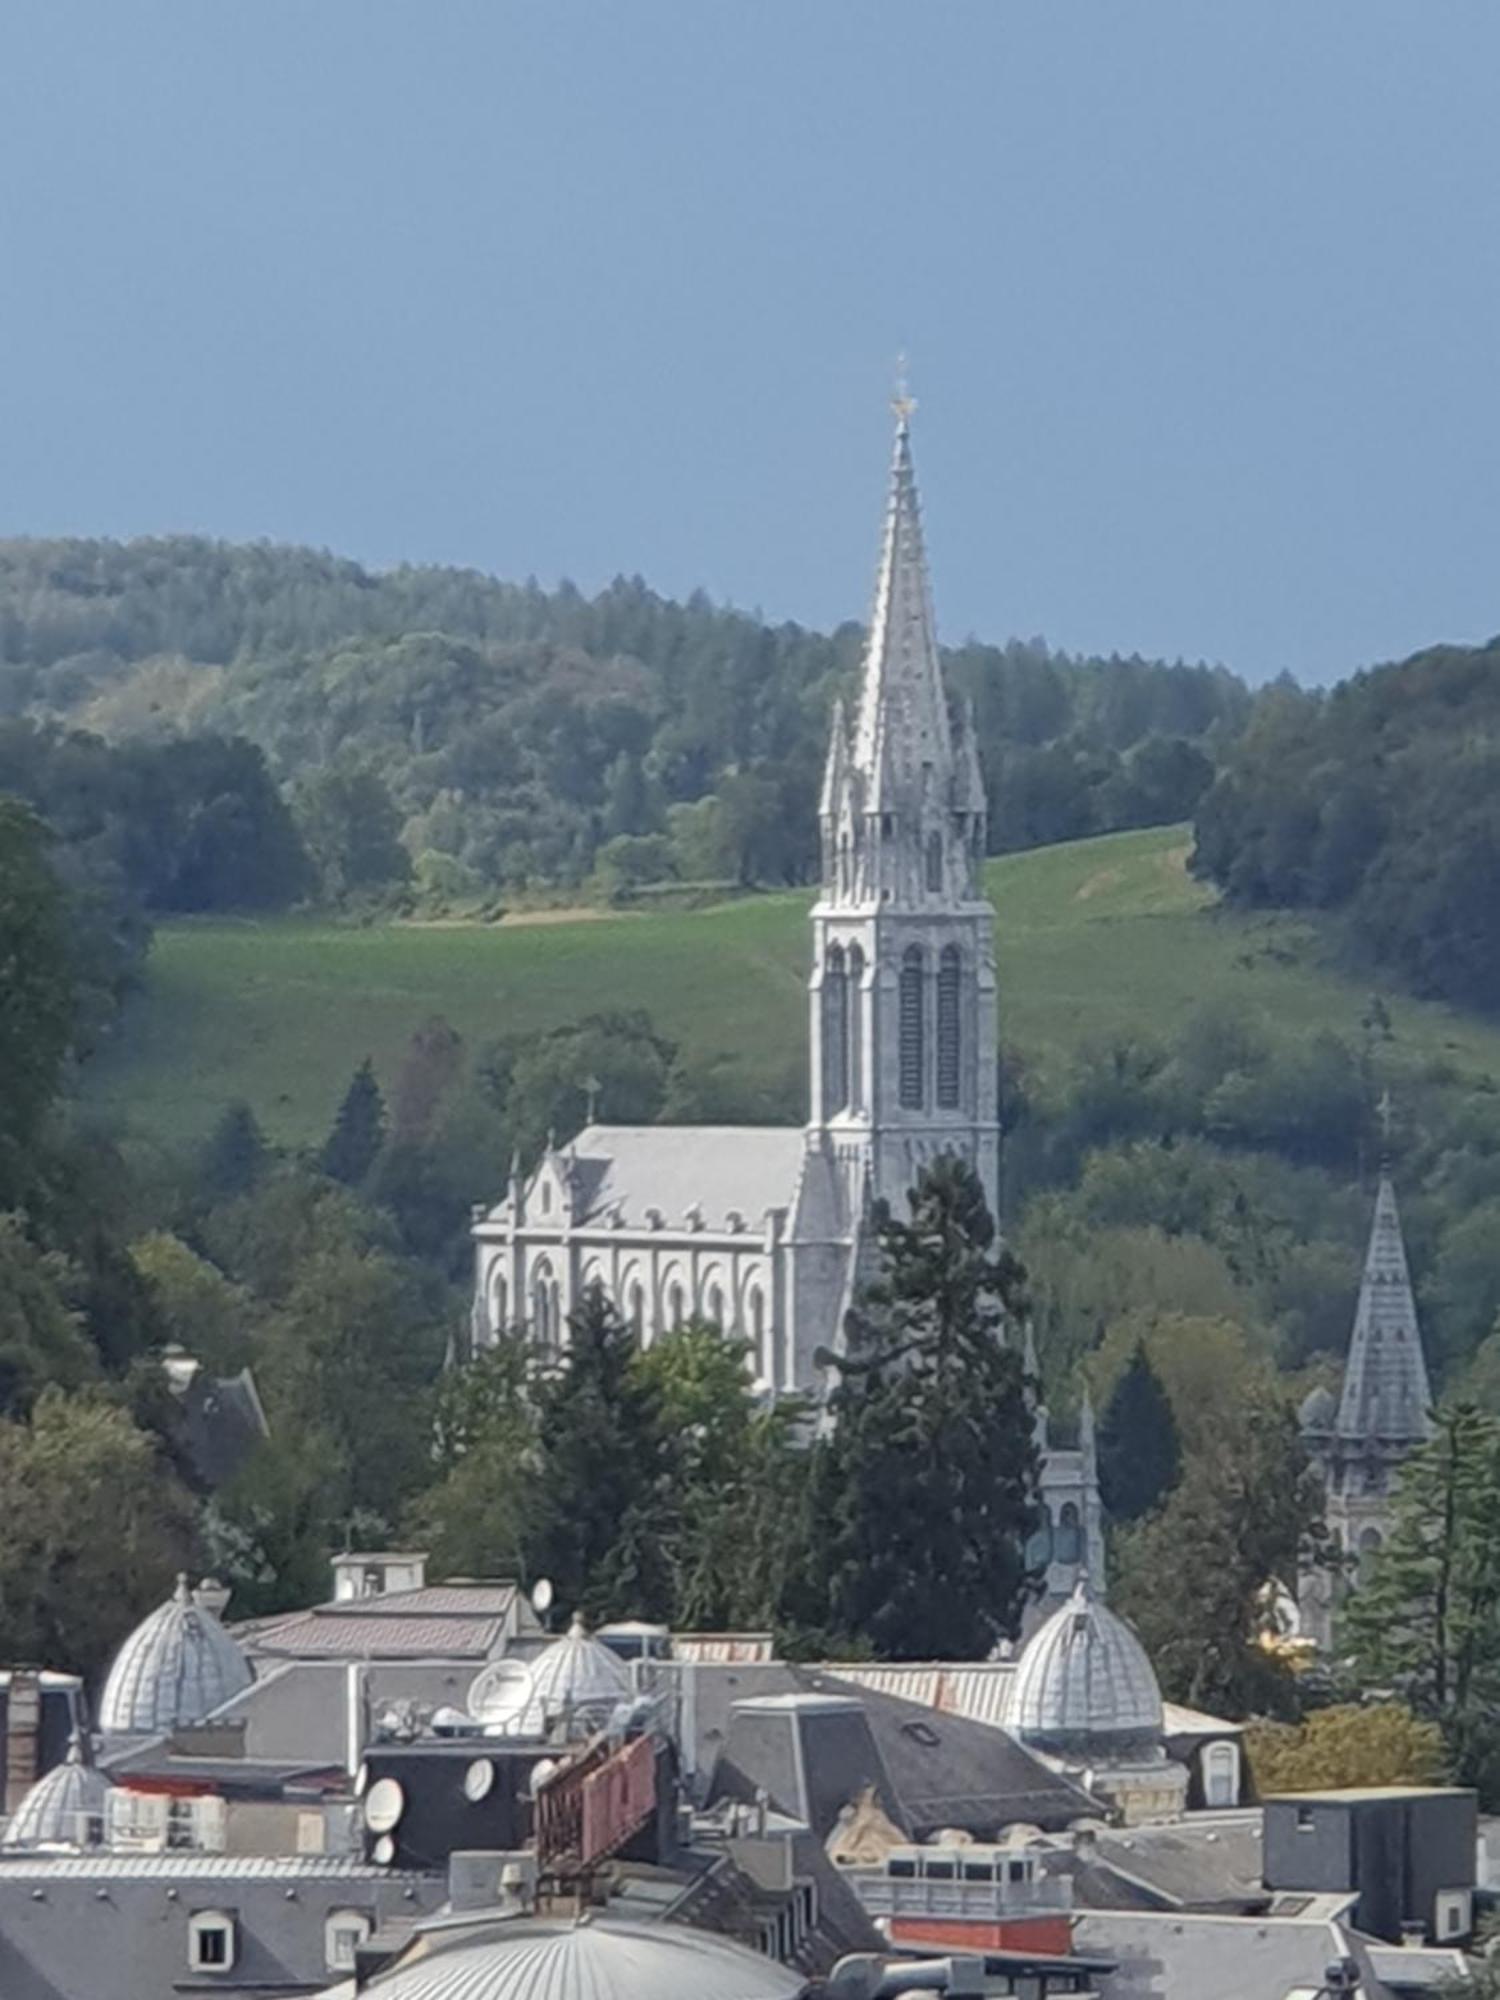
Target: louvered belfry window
x=913 y=1030
x=835 y=1034
x=949 y=1047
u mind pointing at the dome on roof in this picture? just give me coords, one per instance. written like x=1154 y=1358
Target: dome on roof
x=1084 y=1683
x=1318 y=1411
x=63 y=1809
x=579 y=1679
x=176 y=1667
x=533 y=1959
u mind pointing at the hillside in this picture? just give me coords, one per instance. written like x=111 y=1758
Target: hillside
x=520 y=741
x=1098 y=940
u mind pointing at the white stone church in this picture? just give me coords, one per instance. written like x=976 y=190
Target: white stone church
x=766 y=1230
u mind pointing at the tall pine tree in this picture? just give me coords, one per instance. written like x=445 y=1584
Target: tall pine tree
x=925 y=1495
x=358 y=1130
x=604 y=1501
x=1140 y=1453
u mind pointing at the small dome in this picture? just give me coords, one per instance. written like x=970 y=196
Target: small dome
x=579 y=1679
x=63 y=1809
x=1084 y=1683
x=1318 y=1411
x=176 y=1667
x=534 y=1959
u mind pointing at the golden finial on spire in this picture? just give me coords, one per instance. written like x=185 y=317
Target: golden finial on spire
x=903 y=402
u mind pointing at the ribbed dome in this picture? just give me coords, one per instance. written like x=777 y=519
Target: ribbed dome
x=1318 y=1410
x=1084 y=1683
x=579 y=1679
x=176 y=1667
x=529 y=1959
x=63 y=1809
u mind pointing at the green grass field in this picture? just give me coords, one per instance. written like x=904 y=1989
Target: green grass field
x=1096 y=937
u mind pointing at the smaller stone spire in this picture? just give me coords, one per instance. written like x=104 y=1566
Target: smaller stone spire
x=836 y=768
x=1386 y=1397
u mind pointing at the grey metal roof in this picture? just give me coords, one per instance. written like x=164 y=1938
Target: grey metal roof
x=1386 y=1393
x=1168 y=1956
x=111 y=1866
x=679 y=1170
x=1084 y=1682
x=177 y=1666
x=308 y=1635
x=598 y=1959
x=64 y=1808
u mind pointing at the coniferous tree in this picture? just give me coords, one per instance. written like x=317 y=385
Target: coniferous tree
x=1425 y=1617
x=1140 y=1453
x=358 y=1130
x=925 y=1496
x=603 y=1503
x=236 y=1154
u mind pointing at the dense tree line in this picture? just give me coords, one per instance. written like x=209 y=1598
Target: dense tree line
x=1380 y=802
x=516 y=737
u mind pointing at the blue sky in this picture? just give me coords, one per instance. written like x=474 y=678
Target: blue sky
x=1201 y=299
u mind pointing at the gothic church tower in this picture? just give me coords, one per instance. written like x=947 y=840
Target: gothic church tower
x=903 y=981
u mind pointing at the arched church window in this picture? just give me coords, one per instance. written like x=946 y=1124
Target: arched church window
x=949 y=994
x=1370 y=1544
x=911 y=1037
x=760 y=1358
x=676 y=1306
x=1069 y=1534
x=546 y=1197
x=544 y=1314
x=846 y=871
x=635 y=1308
x=854 y=1032
x=500 y=1304
x=935 y=862
x=715 y=1304
x=835 y=1043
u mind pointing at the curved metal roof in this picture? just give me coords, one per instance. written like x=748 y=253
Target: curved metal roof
x=534 y=1959
x=176 y=1667
x=1084 y=1682
x=578 y=1677
x=63 y=1809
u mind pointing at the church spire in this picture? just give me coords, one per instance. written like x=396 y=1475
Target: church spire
x=1386 y=1395
x=901 y=738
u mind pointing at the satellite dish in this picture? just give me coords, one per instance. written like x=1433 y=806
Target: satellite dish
x=384 y=1851
x=542 y=1773
x=501 y=1694
x=479 y=1780
x=361 y=1781
x=384 y=1805
x=542 y=1596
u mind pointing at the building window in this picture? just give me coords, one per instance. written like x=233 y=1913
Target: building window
x=761 y=1358
x=1370 y=1544
x=635 y=1307
x=1069 y=1534
x=934 y=863
x=716 y=1306
x=675 y=1306
x=1454 y=1913
x=911 y=1036
x=500 y=1304
x=949 y=988
x=210 y=1941
x=343 y=1934
x=854 y=1034
x=835 y=1043
x=1221 y=1775
x=1305 y=1820
x=546 y=1197
x=544 y=1313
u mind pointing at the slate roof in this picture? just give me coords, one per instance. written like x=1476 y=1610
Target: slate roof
x=674 y=1168
x=1171 y=1957
x=1207 y=1862
x=1386 y=1395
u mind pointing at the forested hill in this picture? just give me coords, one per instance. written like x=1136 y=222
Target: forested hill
x=525 y=737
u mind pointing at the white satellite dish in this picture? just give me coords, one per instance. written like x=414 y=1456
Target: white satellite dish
x=384 y=1804
x=384 y=1851
x=542 y=1773
x=500 y=1695
x=542 y=1596
x=479 y=1780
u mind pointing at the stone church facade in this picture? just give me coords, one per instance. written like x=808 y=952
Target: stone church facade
x=765 y=1230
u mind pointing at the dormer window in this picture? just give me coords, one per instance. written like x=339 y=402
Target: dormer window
x=210 y=1941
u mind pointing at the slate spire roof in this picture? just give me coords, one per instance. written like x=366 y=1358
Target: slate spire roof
x=902 y=723
x=1386 y=1396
